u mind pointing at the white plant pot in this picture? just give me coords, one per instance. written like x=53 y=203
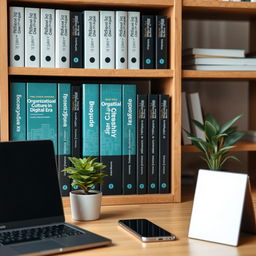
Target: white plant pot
x=85 y=207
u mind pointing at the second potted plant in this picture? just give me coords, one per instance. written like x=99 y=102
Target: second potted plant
x=85 y=174
x=218 y=141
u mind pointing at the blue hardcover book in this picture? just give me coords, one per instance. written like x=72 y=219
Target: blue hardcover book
x=129 y=139
x=111 y=136
x=64 y=135
x=42 y=112
x=90 y=122
x=153 y=144
x=164 y=158
x=18 y=111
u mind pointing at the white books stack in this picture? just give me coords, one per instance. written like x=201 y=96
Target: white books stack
x=217 y=59
x=191 y=110
x=42 y=37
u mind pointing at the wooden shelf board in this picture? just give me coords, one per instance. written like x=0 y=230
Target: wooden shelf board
x=116 y=3
x=77 y=72
x=198 y=74
x=132 y=199
x=219 y=9
x=240 y=146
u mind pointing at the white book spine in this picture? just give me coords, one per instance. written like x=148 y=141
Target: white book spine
x=32 y=32
x=195 y=112
x=16 y=28
x=62 y=47
x=47 y=38
x=133 y=40
x=121 y=40
x=91 y=39
x=107 y=39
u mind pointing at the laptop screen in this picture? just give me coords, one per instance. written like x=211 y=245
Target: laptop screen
x=28 y=181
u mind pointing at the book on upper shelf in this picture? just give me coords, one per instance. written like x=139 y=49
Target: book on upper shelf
x=238 y=53
x=221 y=61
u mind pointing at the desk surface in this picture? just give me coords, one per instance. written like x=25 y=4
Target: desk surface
x=172 y=217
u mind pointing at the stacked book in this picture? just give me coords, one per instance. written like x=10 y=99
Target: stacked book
x=88 y=39
x=217 y=59
x=127 y=131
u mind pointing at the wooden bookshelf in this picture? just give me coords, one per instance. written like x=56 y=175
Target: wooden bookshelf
x=198 y=74
x=79 y=72
x=222 y=10
x=242 y=146
x=164 y=81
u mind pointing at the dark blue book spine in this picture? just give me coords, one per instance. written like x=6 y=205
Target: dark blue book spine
x=64 y=135
x=18 y=111
x=164 y=160
x=153 y=144
x=129 y=139
x=76 y=39
x=76 y=122
x=161 y=42
x=90 y=122
x=148 y=42
x=142 y=129
x=111 y=137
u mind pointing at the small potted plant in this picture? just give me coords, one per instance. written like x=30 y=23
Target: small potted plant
x=218 y=141
x=85 y=174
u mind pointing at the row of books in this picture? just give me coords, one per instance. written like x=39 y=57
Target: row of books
x=191 y=110
x=217 y=59
x=87 y=39
x=128 y=132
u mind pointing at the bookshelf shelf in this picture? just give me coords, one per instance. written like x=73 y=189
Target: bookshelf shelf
x=121 y=3
x=242 y=146
x=198 y=74
x=77 y=72
x=216 y=9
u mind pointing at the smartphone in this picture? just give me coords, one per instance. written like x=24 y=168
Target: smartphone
x=145 y=230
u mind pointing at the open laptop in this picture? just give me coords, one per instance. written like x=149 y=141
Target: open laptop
x=32 y=220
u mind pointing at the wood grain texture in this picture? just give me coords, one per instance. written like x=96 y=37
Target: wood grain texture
x=126 y=3
x=217 y=9
x=176 y=49
x=240 y=146
x=80 y=72
x=198 y=74
x=173 y=217
x=4 y=100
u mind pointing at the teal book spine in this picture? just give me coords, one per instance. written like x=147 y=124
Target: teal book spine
x=64 y=135
x=129 y=139
x=111 y=137
x=90 y=122
x=18 y=111
x=42 y=112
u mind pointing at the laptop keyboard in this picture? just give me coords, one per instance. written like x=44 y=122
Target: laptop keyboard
x=33 y=234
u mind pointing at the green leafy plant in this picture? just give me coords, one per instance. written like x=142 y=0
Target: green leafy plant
x=218 y=141
x=85 y=173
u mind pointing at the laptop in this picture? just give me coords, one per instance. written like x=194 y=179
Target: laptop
x=32 y=220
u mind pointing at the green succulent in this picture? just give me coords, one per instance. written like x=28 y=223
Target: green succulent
x=85 y=173
x=218 y=141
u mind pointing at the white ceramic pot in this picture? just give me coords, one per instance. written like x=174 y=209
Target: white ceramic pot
x=85 y=207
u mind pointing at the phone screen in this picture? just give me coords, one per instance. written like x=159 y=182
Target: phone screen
x=146 y=229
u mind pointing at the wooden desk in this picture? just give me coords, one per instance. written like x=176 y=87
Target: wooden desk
x=173 y=217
